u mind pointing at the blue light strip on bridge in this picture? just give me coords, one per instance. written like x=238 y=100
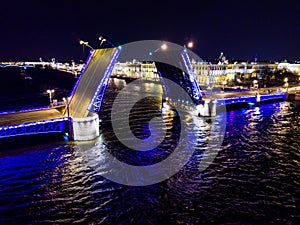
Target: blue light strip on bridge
x=248 y=99
x=39 y=127
x=34 y=123
x=195 y=87
x=95 y=104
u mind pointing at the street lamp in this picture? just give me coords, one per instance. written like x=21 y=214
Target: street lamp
x=286 y=84
x=50 y=92
x=190 y=44
x=66 y=101
x=255 y=84
x=224 y=83
x=162 y=47
x=85 y=43
x=102 y=39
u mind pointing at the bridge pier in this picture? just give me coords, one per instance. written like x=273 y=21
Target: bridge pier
x=257 y=99
x=208 y=108
x=84 y=129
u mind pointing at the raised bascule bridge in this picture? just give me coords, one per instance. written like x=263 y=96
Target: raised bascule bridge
x=80 y=118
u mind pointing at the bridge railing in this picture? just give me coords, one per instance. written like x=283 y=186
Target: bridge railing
x=47 y=126
x=250 y=99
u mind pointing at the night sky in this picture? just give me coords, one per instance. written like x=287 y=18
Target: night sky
x=243 y=30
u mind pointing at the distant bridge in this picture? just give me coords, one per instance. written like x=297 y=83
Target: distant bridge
x=66 y=67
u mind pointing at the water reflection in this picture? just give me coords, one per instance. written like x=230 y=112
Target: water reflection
x=254 y=179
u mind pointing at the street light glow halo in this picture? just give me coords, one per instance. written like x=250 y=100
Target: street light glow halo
x=190 y=44
x=164 y=46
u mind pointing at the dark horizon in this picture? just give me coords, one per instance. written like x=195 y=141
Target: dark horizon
x=243 y=31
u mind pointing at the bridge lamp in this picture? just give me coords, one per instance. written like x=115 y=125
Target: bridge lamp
x=190 y=44
x=66 y=101
x=162 y=47
x=286 y=83
x=101 y=39
x=85 y=43
x=224 y=83
x=255 y=84
x=50 y=92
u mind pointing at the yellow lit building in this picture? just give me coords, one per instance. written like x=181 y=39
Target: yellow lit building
x=208 y=73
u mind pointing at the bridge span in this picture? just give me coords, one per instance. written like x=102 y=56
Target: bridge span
x=49 y=120
x=53 y=120
x=211 y=103
x=79 y=117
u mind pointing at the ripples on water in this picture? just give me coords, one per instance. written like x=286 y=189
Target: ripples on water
x=255 y=178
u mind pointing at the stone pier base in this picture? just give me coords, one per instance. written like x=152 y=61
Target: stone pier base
x=208 y=108
x=84 y=129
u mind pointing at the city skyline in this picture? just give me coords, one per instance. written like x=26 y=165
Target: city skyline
x=245 y=31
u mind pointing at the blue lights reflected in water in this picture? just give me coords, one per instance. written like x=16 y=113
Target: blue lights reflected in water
x=254 y=179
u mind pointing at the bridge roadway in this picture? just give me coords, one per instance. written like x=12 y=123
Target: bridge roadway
x=30 y=116
x=89 y=88
x=225 y=95
x=229 y=95
x=54 y=113
x=53 y=120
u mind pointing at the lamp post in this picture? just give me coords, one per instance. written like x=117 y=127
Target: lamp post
x=162 y=47
x=66 y=100
x=102 y=39
x=189 y=44
x=224 y=83
x=50 y=92
x=255 y=85
x=286 y=84
x=85 y=43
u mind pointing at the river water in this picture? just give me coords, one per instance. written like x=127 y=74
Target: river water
x=254 y=179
